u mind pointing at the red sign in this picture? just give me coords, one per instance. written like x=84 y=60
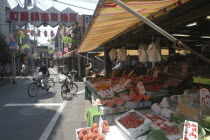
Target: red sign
x=190 y=131
x=204 y=96
x=36 y=16
x=141 y=88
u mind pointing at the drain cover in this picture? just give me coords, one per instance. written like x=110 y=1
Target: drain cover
x=33 y=111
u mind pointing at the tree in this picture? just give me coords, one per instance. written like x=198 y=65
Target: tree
x=4 y=50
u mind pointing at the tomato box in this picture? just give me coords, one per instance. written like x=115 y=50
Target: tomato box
x=134 y=132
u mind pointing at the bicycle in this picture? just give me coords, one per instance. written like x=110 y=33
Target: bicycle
x=69 y=87
x=34 y=87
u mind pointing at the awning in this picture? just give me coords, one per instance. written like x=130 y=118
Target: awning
x=129 y=52
x=70 y=54
x=110 y=20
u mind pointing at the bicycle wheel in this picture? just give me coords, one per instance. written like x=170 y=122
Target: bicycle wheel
x=73 y=88
x=65 y=91
x=50 y=85
x=33 y=89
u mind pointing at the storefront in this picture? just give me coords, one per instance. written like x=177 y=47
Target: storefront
x=168 y=92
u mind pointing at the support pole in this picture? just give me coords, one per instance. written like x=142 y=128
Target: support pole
x=158 y=29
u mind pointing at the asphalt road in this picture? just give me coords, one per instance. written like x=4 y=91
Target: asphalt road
x=44 y=117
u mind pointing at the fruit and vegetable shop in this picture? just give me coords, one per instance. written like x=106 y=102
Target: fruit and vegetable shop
x=156 y=79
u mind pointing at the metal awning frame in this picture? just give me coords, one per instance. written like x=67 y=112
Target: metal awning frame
x=177 y=43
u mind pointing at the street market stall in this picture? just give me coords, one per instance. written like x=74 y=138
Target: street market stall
x=154 y=100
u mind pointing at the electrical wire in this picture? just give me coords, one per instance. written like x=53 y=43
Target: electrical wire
x=74 y=5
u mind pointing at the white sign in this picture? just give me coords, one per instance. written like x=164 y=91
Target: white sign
x=190 y=131
x=37 y=17
x=204 y=96
x=141 y=88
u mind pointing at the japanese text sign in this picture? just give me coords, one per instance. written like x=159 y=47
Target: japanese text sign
x=190 y=131
x=204 y=96
x=37 y=17
x=141 y=88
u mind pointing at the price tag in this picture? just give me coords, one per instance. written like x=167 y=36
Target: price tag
x=184 y=68
x=204 y=96
x=155 y=74
x=100 y=125
x=190 y=131
x=141 y=88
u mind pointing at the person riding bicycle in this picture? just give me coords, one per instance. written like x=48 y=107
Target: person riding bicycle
x=45 y=75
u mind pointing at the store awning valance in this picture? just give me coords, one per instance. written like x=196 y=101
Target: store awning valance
x=129 y=52
x=110 y=20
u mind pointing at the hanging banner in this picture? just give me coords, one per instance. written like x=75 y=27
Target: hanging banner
x=38 y=17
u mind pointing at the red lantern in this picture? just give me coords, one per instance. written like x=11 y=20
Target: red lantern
x=52 y=34
x=45 y=33
x=38 y=33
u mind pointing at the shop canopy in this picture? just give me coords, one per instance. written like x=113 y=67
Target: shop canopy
x=111 y=20
x=129 y=52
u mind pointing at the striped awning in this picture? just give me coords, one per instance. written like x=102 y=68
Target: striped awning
x=110 y=20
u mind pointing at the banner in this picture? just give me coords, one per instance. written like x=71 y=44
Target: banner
x=38 y=17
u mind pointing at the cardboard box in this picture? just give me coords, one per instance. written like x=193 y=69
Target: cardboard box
x=191 y=112
x=105 y=110
x=134 y=132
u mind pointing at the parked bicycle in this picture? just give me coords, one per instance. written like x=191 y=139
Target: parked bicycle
x=69 y=87
x=34 y=87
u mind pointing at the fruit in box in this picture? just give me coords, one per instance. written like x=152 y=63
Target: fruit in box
x=110 y=103
x=92 y=133
x=145 y=97
x=137 y=99
x=131 y=121
x=125 y=97
x=119 y=102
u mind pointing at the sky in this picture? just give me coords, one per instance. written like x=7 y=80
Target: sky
x=46 y=4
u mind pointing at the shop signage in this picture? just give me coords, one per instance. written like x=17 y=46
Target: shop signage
x=204 y=96
x=38 y=17
x=141 y=88
x=190 y=131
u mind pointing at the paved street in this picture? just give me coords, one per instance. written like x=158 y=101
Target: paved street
x=44 y=117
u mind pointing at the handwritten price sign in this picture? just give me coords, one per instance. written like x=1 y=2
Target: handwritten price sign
x=141 y=88
x=204 y=96
x=190 y=131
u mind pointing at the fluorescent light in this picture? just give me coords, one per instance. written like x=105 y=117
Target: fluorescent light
x=198 y=45
x=191 y=24
x=208 y=17
x=181 y=35
x=205 y=36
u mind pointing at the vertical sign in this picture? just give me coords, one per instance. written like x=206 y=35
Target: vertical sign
x=190 y=131
x=141 y=88
x=204 y=96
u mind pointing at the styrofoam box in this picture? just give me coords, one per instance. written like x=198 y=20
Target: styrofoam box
x=134 y=132
x=120 y=109
x=105 y=110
